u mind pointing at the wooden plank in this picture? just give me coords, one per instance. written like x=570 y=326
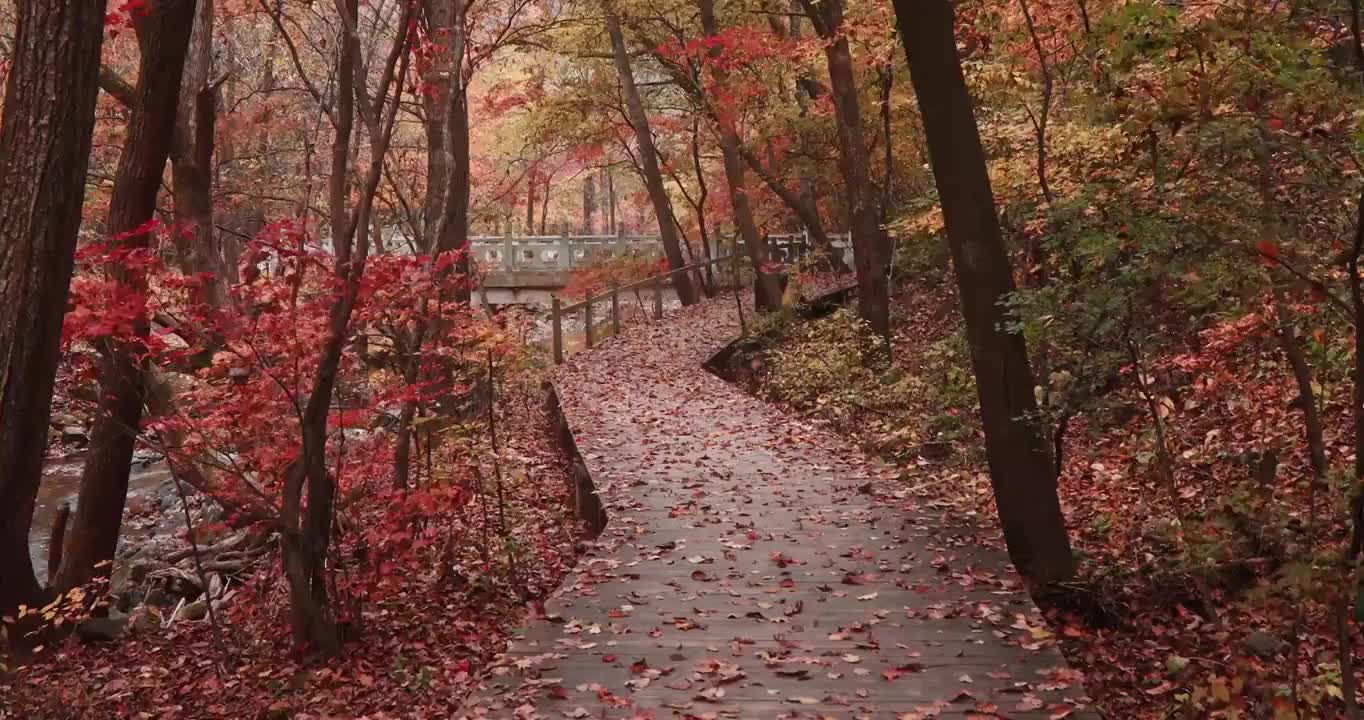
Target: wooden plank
x=744 y=554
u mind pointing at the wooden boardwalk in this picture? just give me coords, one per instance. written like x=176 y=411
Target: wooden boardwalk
x=748 y=571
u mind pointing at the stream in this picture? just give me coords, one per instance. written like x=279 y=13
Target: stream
x=148 y=484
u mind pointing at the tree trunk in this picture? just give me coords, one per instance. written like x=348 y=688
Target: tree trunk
x=544 y=203
x=1020 y=465
x=767 y=288
x=1357 y=306
x=45 y=135
x=648 y=158
x=447 y=214
x=163 y=37
x=530 y=201
x=306 y=538
x=436 y=105
x=192 y=164
x=454 y=227
x=803 y=205
x=871 y=248
x=609 y=181
x=589 y=204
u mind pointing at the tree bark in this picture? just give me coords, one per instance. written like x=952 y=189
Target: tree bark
x=609 y=181
x=436 y=106
x=192 y=164
x=454 y=226
x=767 y=288
x=871 y=247
x=589 y=204
x=1020 y=465
x=45 y=135
x=544 y=202
x=447 y=123
x=530 y=201
x=648 y=158
x=163 y=36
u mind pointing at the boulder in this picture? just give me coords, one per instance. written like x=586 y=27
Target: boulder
x=144 y=620
x=1264 y=645
x=102 y=629
x=191 y=612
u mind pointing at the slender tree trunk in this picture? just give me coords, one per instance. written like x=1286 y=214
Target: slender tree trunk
x=163 y=37
x=767 y=288
x=610 y=183
x=1357 y=305
x=306 y=537
x=589 y=204
x=46 y=125
x=871 y=248
x=544 y=203
x=1020 y=464
x=802 y=204
x=702 y=193
x=648 y=157
x=530 y=201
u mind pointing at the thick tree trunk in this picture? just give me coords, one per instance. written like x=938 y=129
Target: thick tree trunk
x=192 y=164
x=767 y=288
x=454 y=228
x=163 y=37
x=1020 y=464
x=45 y=132
x=437 y=15
x=648 y=158
x=1020 y=468
x=871 y=248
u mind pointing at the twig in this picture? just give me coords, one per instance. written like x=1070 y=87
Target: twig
x=199 y=567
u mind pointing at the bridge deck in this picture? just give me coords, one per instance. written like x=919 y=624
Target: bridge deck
x=748 y=572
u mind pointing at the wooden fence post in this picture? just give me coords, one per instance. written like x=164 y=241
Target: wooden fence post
x=658 y=297
x=587 y=317
x=615 y=308
x=558 y=325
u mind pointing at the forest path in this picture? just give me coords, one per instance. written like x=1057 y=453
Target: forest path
x=748 y=572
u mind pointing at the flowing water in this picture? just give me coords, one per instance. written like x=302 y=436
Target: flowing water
x=61 y=484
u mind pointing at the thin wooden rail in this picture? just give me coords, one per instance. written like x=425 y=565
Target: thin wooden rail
x=655 y=282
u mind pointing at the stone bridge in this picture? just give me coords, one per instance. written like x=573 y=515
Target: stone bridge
x=527 y=269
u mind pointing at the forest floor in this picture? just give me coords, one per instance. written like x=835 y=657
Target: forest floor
x=748 y=571
x=432 y=614
x=1201 y=602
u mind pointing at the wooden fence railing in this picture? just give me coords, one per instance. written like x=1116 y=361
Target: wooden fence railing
x=695 y=272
